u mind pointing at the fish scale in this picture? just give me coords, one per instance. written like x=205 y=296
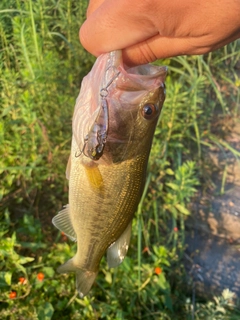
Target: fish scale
x=92 y=230
x=106 y=181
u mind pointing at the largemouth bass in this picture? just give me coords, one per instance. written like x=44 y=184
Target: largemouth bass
x=114 y=121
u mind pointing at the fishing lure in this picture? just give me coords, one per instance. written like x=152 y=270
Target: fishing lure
x=95 y=140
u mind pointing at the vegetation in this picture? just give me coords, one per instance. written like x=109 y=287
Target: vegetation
x=41 y=67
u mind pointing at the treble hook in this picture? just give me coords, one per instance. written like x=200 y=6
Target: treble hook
x=83 y=148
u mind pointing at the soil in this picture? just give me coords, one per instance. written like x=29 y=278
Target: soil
x=212 y=256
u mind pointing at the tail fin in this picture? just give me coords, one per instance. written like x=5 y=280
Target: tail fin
x=84 y=278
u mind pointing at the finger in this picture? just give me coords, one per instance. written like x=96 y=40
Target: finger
x=108 y=27
x=162 y=47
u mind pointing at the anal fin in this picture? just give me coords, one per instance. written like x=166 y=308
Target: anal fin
x=118 y=250
x=62 y=221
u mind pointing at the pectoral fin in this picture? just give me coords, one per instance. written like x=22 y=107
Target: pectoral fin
x=62 y=221
x=118 y=250
x=94 y=177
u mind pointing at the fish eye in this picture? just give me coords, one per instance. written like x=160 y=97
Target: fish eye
x=149 y=111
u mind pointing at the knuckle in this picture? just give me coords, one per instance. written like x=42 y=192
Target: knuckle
x=146 y=54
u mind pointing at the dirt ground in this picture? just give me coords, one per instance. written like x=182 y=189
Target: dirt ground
x=212 y=256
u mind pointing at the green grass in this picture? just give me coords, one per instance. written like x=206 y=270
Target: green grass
x=41 y=67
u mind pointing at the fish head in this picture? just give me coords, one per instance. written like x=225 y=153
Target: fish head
x=135 y=104
x=133 y=99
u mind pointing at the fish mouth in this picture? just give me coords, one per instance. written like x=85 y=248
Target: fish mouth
x=148 y=70
x=144 y=76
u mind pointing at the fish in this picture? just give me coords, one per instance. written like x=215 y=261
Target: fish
x=113 y=125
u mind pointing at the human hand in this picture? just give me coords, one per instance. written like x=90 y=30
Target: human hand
x=147 y=30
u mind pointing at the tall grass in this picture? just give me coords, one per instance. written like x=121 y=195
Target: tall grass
x=42 y=64
x=41 y=68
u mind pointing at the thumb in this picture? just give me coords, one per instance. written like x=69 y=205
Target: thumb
x=93 y=5
x=111 y=27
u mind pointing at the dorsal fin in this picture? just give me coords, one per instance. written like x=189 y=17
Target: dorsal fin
x=62 y=221
x=118 y=250
x=68 y=168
